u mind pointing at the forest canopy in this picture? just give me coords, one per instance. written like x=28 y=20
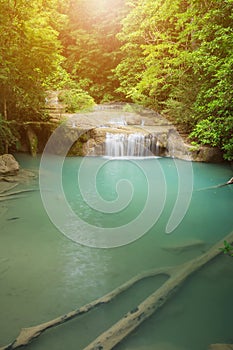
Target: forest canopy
x=174 y=56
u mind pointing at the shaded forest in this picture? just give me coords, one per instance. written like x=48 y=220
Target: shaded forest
x=174 y=56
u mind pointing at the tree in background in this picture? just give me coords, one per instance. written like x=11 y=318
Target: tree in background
x=177 y=58
x=91 y=48
x=29 y=53
x=213 y=62
x=160 y=71
x=174 y=56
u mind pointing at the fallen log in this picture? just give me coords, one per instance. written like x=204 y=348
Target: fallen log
x=134 y=318
x=28 y=334
x=120 y=330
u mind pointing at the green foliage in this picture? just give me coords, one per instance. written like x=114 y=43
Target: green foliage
x=227 y=249
x=175 y=56
x=216 y=132
x=7 y=137
x=30 y=53
x=178 y=59
x=207 y=132
x=156 y=54
x=76 y=100
x=91 y=48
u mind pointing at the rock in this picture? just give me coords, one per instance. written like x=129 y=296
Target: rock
x=206 y=154
x=86 y=132
x=176 y=147
x=8 y=165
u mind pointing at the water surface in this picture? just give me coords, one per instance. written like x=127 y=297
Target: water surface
x=43 y=274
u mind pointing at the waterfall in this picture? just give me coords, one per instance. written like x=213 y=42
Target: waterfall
x=132 y=145
x=157 y=147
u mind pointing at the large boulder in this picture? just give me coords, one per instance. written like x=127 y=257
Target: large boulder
x=8 y=165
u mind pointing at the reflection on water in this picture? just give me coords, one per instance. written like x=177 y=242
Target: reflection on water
x=43 y=274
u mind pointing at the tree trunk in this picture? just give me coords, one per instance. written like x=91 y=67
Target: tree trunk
x=28 y=334
x=5 y=116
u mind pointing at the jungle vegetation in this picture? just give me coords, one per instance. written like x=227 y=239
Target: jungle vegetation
x=174 y=56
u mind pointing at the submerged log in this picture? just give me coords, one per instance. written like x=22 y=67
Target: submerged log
x=114 y=335
x=28 y=334
x=120 y=330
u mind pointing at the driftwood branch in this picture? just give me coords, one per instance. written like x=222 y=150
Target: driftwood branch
x=120 y=330
x=109 y=339
x=28 y=334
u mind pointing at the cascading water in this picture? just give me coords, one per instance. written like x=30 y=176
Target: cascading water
x=132 y=145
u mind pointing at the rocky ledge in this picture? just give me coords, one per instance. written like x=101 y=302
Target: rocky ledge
x=118 y=119
x=87 y=132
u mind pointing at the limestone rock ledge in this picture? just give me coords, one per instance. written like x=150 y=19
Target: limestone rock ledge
x=86 y=133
